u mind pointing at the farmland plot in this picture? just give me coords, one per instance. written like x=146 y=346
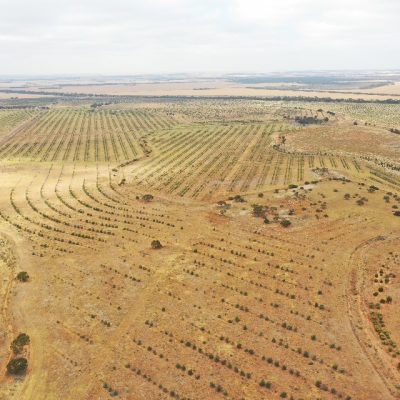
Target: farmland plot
x=178 y=259
x=81 y=136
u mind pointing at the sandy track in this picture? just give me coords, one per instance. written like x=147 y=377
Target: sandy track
x=357 y=313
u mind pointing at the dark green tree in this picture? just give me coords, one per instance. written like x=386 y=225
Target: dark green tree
x=17 y=366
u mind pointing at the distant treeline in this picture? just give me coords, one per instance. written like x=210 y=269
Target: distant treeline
x=45 y=93
x=321 y=80
x=310 y=90
x=331 y=100
x=307 y=80
x=23 y=107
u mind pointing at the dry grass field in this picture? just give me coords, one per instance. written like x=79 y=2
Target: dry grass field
x=372 y=86
x=201 y=249
x=213 y=88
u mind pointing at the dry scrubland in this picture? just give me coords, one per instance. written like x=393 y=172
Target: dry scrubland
x=278 y=272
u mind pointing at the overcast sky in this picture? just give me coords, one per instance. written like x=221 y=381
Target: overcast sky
x=157 y=36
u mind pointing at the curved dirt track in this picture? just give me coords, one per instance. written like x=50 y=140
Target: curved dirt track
x=358 y=317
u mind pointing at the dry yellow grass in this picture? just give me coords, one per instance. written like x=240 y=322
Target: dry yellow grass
x=200 y=88
x=213 y=88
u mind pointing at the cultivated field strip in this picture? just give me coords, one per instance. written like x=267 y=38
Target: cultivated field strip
x=11 y=119
x=70 y=135
x=204 y=161
x=199 y=161
x=385 y=178
x=77 y=212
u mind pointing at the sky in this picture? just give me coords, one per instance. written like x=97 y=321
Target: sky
x=216 y=36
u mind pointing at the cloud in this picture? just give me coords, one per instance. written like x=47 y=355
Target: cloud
x=131 y=36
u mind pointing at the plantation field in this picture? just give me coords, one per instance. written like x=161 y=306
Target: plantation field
x=277 y=272
x=10 y=119
x=81 y=135
x=209 y=162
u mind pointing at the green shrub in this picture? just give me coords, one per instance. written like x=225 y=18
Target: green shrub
x=285 y=223
x=258 y=211
x=147 y=197
x=23 y=276
x=238 y=198
x=265 y=384
x=19 y=342
x=17 y=366
x=156 y=244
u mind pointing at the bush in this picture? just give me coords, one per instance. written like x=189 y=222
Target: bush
x=238 y=198
x=23 y=276
x=17 y=366
x=19 y=342
x=285 y=223
x=156 y=244
x=147 y=197
x=258 y=211
x=265 y=384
